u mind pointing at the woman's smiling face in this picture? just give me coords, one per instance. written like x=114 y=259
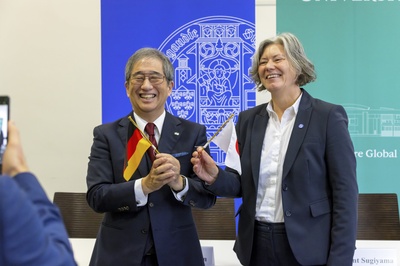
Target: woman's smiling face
x=275 y=70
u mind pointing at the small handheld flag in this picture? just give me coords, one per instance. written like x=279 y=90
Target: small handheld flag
x=136 y=147
x=144 y=135
x=218 y=131
x=227 y=141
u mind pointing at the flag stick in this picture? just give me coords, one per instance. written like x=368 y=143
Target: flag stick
x=144 y=135
x=219 y=130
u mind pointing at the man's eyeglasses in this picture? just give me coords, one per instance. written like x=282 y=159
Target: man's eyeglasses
x=153 y=79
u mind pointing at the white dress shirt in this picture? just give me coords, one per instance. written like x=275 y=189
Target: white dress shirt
x=269 y=193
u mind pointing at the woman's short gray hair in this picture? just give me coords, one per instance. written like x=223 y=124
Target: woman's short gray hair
x=296 y=56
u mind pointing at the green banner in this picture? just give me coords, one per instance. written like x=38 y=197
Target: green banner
x=355 y=46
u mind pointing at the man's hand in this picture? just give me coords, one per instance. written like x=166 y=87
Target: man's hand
x=165 y=170
x=13 y=158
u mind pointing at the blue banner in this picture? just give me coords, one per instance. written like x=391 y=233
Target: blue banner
x=210 y=44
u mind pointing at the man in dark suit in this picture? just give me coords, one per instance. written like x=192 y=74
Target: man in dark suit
x=298 y=182
x=148 y=219
x=31 y=228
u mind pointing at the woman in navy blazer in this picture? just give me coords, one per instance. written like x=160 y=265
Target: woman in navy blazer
x=298 y=182
x=31 y=228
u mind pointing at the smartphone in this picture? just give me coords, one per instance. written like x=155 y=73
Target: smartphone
x=4 y=117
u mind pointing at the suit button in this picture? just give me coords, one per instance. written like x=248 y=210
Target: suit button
x=143 y=231
x=288 y=213
x=192 y=203
x=151 y=204
x=285 y=187
x=125 y=208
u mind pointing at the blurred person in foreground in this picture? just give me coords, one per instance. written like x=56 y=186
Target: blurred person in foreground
x=31 y=228
x=148 y=218
x=298 y=182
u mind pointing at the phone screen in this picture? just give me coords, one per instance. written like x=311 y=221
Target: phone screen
x=4 y=117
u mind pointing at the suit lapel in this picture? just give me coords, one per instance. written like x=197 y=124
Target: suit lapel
x=257 y=137
x=124 y=124
x=299 y=131
x=123 y=129
x=171 y=133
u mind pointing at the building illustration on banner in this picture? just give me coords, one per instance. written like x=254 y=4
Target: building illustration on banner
x=367 y=122
x=212 y=57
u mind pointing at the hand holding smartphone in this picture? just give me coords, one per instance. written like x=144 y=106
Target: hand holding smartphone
x=4 y=117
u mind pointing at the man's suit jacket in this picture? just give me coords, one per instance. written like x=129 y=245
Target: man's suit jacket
x=31 y=228
x=124 y=231
x=319 y=186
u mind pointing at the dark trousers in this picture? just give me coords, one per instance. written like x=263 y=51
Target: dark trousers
x=271 y=246
x=150 y=258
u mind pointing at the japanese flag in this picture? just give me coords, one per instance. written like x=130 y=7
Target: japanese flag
x=226 y=140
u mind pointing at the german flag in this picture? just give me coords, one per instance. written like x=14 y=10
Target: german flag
x=136 y=147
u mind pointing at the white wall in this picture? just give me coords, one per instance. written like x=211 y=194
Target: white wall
x=50 y=58
x=265 y=28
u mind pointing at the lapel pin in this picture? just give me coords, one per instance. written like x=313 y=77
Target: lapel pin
x=301 y=125
x=176 y=133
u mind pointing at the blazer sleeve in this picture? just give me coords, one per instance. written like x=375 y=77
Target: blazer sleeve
x=31 y=228
x=197 y=195
x=108 y=191
x=341 y=165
